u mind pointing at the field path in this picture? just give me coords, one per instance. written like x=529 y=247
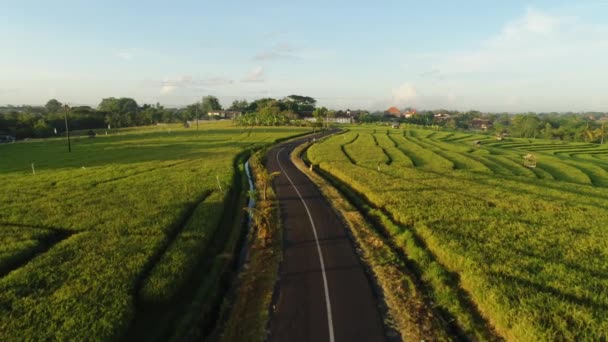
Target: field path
x=323 y=292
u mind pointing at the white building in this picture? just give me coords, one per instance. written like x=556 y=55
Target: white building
x=332 y=120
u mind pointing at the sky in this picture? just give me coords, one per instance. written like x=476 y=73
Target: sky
x=492 y=56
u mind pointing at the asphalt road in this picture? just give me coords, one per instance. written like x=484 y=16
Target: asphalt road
x=323 y=292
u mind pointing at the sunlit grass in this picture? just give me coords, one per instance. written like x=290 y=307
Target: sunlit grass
x=111 y=205
x=528 y=245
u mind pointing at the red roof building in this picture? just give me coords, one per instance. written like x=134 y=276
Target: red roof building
x=394 y=111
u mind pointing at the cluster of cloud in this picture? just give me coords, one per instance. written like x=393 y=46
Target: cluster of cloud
x=405 y=93
x=540 y=61
x=130 y=54
x=256 y=75
x=169 y=86
x=276 y=52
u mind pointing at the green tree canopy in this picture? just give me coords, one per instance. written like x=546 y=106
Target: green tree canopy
x=300 y=104
x=239 y=105
x=53 y=106
x=210 y=103
x=119 y=112
x=320 y=114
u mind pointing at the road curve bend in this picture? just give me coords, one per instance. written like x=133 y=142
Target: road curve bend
x=323 y=293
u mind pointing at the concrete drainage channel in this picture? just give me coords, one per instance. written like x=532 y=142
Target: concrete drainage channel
x=250 y=205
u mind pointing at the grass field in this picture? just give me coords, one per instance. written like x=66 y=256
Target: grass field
x=518 y=252
x=118 y=224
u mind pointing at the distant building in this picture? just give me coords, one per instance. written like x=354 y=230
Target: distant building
x=332 y=120
x=410 y=113
x=482 y=124
x=225 y=114
x=394 y=111
x=442 y=116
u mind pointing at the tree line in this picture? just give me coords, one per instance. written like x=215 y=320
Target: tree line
x=577 y=127
x=48 y=120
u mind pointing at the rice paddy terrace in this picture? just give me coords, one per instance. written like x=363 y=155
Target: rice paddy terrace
x=102 y=243
x=503 y=250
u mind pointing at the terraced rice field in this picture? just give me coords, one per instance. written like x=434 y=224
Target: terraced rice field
x=101 y=237
x=505 y=250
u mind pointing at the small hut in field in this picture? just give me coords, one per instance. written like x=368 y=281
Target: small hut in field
x=529 y=160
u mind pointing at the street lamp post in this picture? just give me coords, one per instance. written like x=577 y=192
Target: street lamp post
x=67 y=130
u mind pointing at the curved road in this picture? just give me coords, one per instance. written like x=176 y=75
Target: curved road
x=323 y=292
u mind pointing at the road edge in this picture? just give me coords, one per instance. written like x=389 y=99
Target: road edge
x=403 y=309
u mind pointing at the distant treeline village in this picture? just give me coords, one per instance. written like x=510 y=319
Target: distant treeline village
x=20 y=122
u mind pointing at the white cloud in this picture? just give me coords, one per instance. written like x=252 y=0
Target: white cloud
x=127 y=54
x=537 y=39
x=170 y=85
x=404 y=94
x=256 y=75
x=533 y=22
x=167 y=89
x=215 y=81
x=276 y=52
x=540 y=61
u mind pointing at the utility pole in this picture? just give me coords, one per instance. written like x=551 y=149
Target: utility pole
x=67 y=130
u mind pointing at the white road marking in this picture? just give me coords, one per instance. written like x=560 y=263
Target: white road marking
x=314 y=231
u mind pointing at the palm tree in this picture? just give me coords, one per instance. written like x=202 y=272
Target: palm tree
x=601 y=132
x=266 y=179
x=261 y=220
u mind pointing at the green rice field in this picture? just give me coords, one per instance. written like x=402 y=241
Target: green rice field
x=506 y=251
x=99 y=238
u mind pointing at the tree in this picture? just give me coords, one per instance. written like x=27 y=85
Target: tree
x=42 y=129
x=149 y=115
x=210 y=103
x=300 y=104
x=548 y=131
x=240 y=106
x=53 y=106
x=109 y=105
x=192 y=112
x=261 y=218
x=320 y=114
x=526 y=125
x=266 y=180
x=119 y=112
x=601 y=132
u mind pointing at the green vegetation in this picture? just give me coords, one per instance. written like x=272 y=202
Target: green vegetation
x=118 y=225
x=111 y=113
x=589 y=127
x=249 y=314
x=186 y=249
x=501 y=248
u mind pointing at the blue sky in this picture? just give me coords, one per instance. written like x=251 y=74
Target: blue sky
x=485 y=55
